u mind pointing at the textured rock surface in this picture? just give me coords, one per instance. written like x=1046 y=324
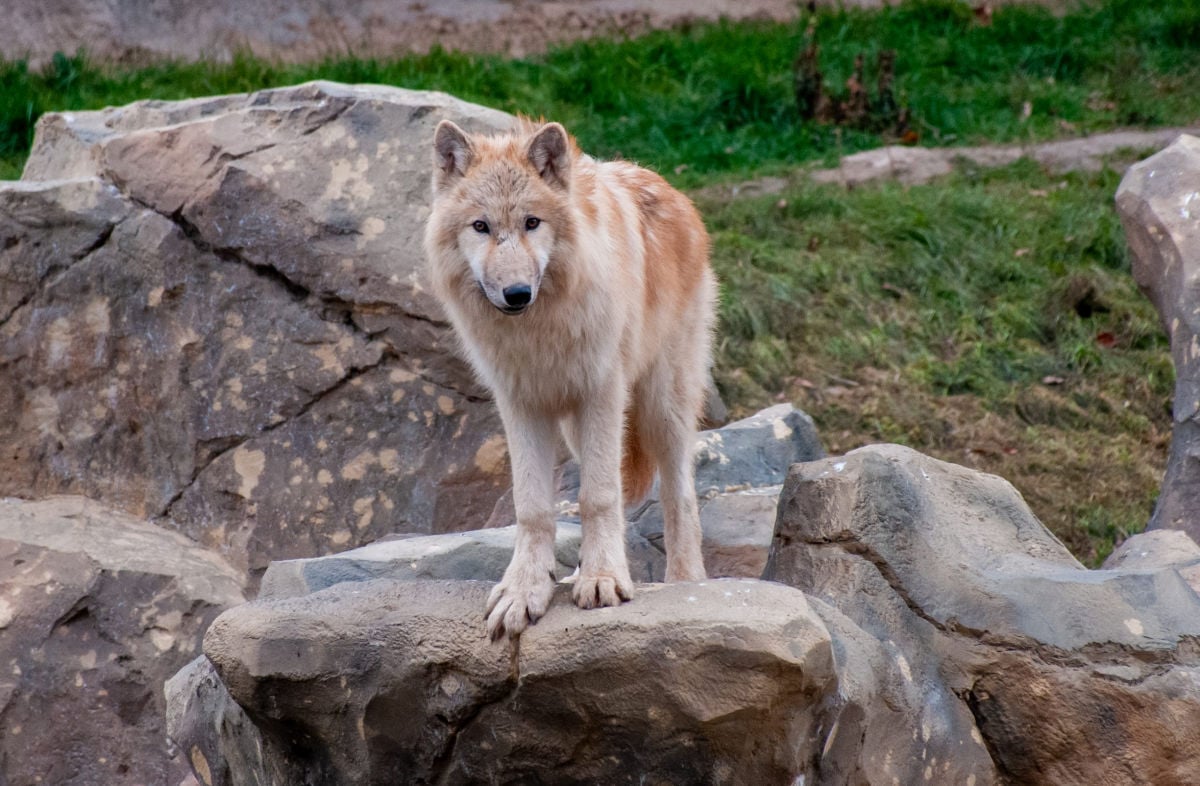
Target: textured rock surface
x=993 y=617
x=1159 y=548
x=739 y=471
x=723 y=682
x=913 y=165
x=96 y=610
x=1159 y=205
x=480 y=555
x=213 y=733
x=245 y=268
x=963 y=644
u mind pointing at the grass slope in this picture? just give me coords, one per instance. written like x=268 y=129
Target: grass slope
x=718 y=97
x=988 y=319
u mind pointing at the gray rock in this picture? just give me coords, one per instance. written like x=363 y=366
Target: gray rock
x=915 y=165
x=737 y=527
x=992 y=617
x=211 y=730
x=1159 y=548
x=755 y=451
x=480 y=555
x=1159 y=204
x=246 y=268
x=737 y=514
x=723 y=682
x=96 y=610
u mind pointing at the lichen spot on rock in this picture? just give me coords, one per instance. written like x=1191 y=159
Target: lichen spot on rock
x=356 y=469
x=491 y=456
x=200 y=765
x=95 y=316
x=372 y=227
x=248 y=464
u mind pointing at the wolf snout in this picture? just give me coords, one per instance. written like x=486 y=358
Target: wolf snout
x=517 y=297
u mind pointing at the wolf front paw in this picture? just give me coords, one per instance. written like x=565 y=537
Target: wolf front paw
x=595 y=589
x=516 y=603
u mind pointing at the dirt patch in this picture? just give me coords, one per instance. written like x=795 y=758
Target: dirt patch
x=309 y=30
x=124 y=31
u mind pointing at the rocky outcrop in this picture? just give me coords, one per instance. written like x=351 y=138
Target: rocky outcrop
x=1069 y=676
x=211 y=313
x=739 y=471
x=724 y=682
x=936 y=633
x=1159 y=205
x=212 y=318
x=96 y=610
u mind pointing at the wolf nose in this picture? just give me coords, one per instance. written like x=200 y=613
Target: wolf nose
x=518 y=295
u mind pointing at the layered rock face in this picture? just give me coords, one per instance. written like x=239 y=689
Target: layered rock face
x=933 y=632
x=97 y=609
x=211 y=315
x=1159 y=205
x=1068 y=676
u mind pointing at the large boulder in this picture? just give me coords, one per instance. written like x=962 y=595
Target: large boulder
x=385 y=681
x=1159 y=204
x=940 y=634
x=1068 y=676
x=97 y=609
x=211 y=315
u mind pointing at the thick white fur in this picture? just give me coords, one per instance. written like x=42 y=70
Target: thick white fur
x=618 y=330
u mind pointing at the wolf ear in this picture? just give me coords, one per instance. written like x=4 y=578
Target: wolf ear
x=452 y=154
x=550 y=154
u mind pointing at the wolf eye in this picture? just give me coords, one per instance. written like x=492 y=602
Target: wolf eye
x=481 y=226
x=532 y=222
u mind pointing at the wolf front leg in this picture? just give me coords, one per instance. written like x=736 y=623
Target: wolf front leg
x=523 y=595
x=603 y=567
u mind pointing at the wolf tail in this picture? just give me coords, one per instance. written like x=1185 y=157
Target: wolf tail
x=637 y=466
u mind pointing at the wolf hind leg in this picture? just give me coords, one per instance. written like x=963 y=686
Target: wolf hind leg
x=524 y=593
x=668 y=403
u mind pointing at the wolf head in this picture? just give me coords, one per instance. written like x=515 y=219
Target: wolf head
x=502 y=205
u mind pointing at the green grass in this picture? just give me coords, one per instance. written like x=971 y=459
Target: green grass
x=988 y=319
x=717 y=97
